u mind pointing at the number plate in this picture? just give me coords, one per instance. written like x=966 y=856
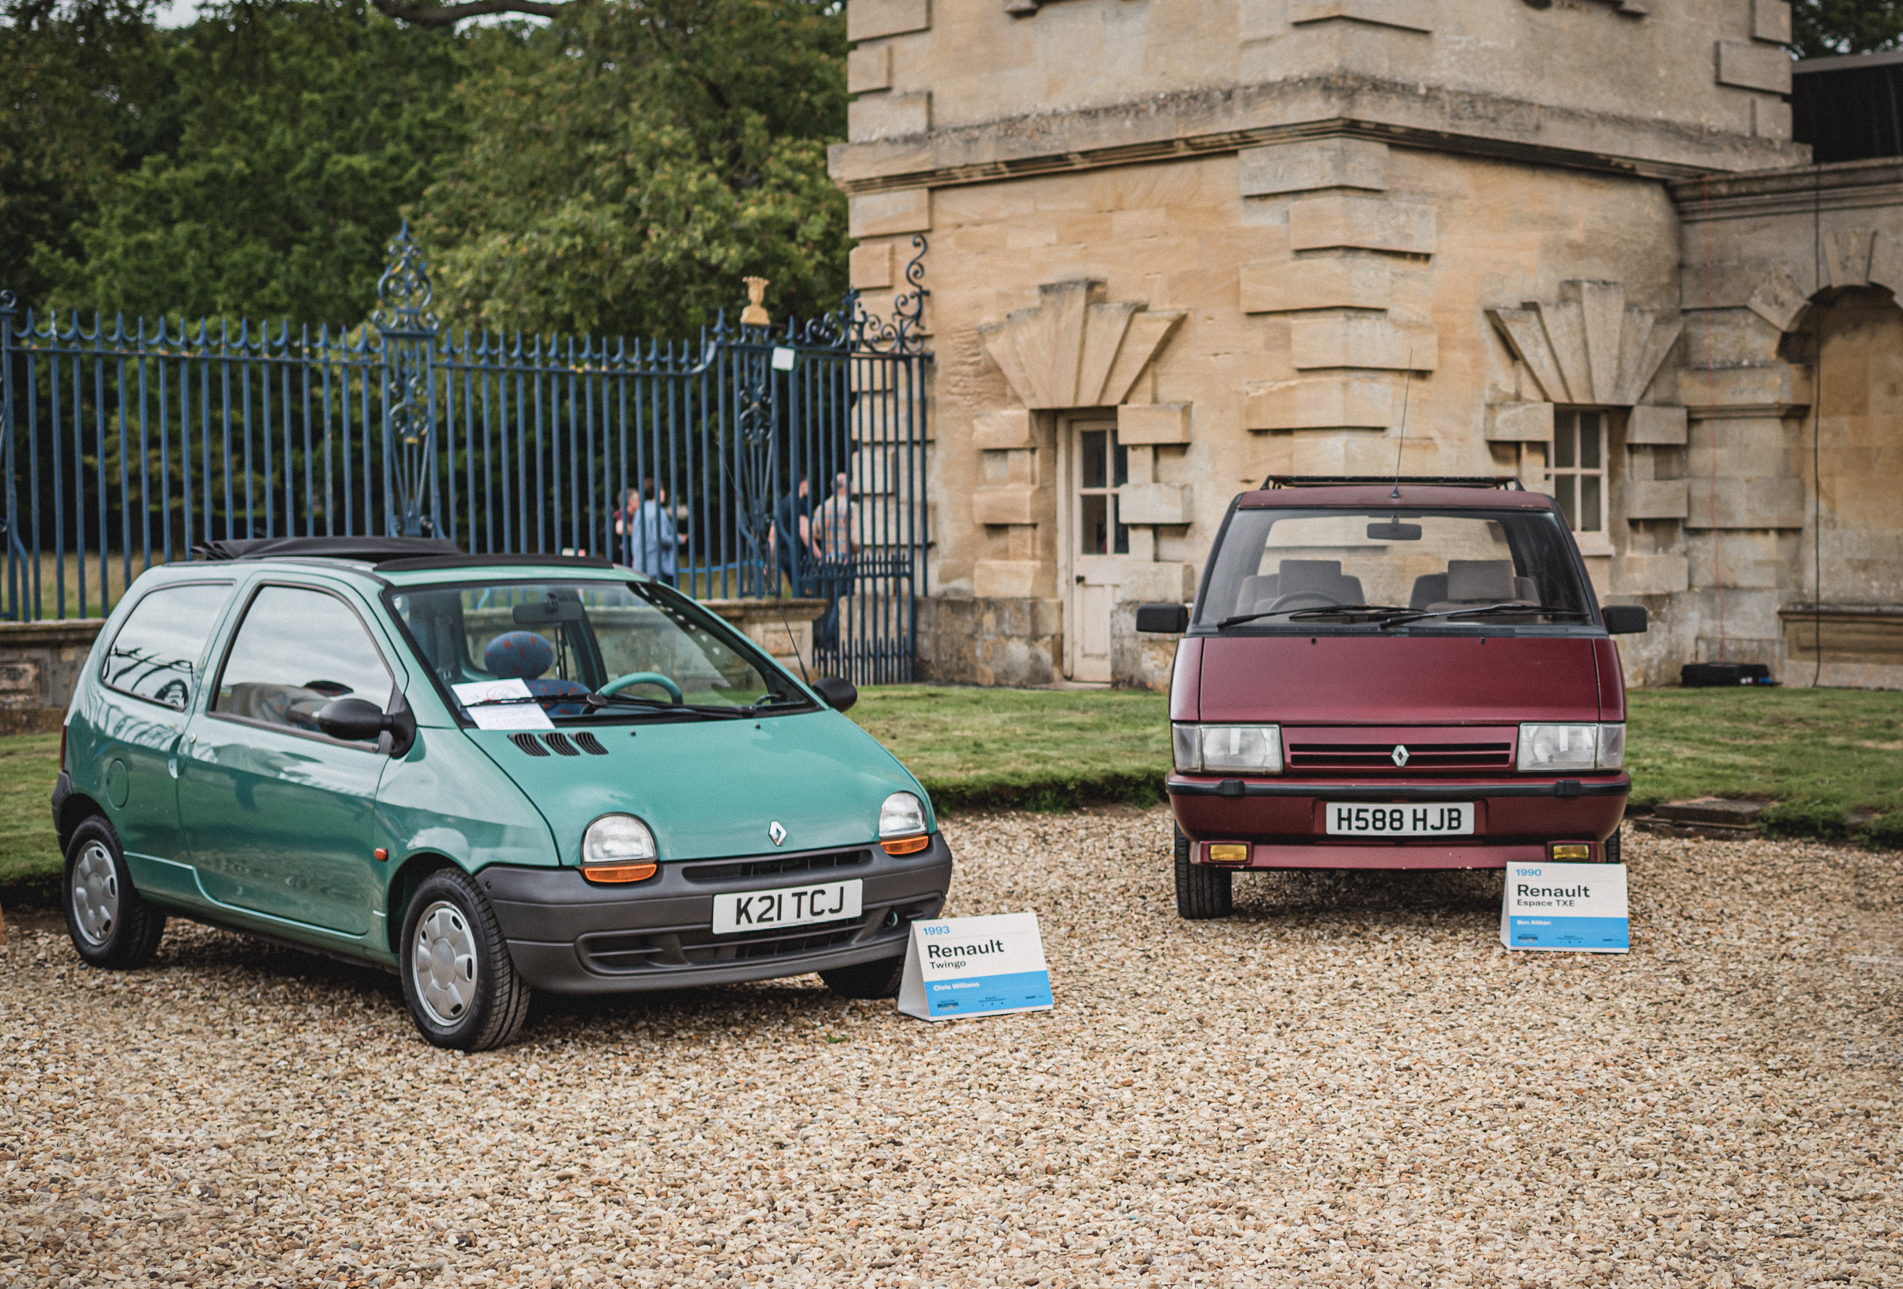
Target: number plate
x=1437 y=819
x=788 y=906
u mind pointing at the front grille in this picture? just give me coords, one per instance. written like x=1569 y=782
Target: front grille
x=1378 y=758
x=773 y=866
x=631 y=951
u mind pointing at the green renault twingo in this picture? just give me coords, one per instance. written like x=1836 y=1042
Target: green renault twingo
x=495 y=774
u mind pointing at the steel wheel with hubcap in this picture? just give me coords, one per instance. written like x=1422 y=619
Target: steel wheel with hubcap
x=457 y=975
x=110 y=924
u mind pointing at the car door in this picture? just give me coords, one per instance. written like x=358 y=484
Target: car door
x=279 y=816
x=149 y=677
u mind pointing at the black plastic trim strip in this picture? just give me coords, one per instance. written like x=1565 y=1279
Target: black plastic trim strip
x=1400 y=791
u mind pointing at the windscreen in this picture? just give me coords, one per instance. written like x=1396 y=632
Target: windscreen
x=1387 y=569
x=651 y=649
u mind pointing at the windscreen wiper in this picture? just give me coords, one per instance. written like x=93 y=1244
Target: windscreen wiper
x=659 y=706
x=1318 y=611
x=1480 y=610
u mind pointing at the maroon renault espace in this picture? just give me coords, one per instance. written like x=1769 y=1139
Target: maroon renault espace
x=1393 y=674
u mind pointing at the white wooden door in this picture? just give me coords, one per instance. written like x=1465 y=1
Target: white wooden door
x=1097 y=545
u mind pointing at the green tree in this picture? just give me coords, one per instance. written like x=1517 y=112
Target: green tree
x=629 y=164
x=84 y=88
x=304 y=127
x=1820 y=28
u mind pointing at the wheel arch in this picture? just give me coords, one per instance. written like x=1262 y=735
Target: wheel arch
x=74 y=811
x=403 y=883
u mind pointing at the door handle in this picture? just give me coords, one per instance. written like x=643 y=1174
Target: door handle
x=1080 y=579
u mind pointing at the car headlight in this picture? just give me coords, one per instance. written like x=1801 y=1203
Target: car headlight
x=1547 y=749
x=902 y=825
x=618 y=848
x=1227 y=749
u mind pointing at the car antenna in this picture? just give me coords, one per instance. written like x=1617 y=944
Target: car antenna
x=1407 y=380
x=807 y=680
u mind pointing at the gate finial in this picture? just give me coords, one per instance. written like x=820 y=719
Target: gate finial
x=755 y=314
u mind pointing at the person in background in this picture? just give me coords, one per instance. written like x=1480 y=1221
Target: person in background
x=790 y=539
x=650 y=542
x=836 y=541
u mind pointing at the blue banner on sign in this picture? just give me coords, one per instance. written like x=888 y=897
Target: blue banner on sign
x=1568 y=933
x=966 y=997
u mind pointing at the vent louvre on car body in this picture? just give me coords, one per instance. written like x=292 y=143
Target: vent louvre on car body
x=560 y=744
x=528 y=743
x=590 y=744
x=775 y=865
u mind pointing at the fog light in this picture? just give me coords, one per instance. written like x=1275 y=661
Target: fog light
x=1571 y=852
x=1228 y=852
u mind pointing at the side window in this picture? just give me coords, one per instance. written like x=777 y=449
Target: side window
x=295 y=651
x=155 y=654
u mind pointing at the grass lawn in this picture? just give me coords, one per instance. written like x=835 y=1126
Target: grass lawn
x=1821 y=753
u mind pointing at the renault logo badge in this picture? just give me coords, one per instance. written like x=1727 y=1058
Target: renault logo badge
x=778 y=833
x=1398 y=756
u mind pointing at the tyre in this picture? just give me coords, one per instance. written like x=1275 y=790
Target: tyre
x=111 y=926
x=1612 y=847
x=867 y=979
x=1201 y=891
x=457 y=975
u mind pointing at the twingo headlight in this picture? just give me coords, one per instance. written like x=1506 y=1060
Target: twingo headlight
x=902 y=825
x=1227 y=749
x=1551 y=749
x=618 y=848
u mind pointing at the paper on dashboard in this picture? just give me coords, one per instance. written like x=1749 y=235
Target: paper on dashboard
x=502 y=705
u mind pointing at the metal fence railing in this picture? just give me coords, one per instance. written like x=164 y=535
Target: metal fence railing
x=127 y=444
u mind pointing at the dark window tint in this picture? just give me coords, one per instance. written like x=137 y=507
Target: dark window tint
x=155 y=655
x=295 y=651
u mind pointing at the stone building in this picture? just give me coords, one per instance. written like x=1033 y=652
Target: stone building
x=1175 y=246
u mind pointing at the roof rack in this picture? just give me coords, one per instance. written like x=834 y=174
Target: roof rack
x=368 y=550
x=1506 y=481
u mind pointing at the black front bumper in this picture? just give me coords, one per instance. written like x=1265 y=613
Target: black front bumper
x=569 y=936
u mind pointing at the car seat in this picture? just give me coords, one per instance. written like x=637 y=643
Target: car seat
x=1298 y=577
x=1469 y=583
x=524 y=656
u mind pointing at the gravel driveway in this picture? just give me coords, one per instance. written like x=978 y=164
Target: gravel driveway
x=1349 y=1083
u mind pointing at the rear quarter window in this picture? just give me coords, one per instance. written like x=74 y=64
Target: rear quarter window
x=155 y=655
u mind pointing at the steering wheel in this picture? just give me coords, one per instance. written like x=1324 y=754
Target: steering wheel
x=1302 y=599
x=634 y=678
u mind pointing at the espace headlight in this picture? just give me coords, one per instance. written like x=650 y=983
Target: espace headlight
x=1551 y=749
x=618 y=848
x=902 y=825
x=1227 y=749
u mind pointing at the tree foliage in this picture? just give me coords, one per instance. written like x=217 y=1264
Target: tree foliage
x=628 y=168
x=1820 y=28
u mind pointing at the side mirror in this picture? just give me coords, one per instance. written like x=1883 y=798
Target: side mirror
x=1624 y=619
x=839 y=693
x=355 y=721
x=1163 y=619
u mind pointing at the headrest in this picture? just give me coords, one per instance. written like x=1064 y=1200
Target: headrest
x=1298 y=575
x=518 y=655
x=1480 y=579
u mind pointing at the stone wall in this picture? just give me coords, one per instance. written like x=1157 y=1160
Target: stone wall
x=40 y=664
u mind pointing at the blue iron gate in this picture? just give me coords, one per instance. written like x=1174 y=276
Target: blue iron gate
x=127 y=445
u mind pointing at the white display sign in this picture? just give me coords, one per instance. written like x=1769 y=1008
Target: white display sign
x=502 y=705
x=1581 y=907
x=983 y=966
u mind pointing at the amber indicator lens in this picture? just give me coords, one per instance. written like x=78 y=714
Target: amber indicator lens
x=620 y=872
x=906 y=845
x=1228 y=852
x=1577 y=852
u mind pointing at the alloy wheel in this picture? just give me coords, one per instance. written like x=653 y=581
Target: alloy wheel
x=443 y=967
x=95 y=894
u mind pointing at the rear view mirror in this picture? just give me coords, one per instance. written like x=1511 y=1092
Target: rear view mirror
x=1394 y=531
x=355 y=721
x=838 y=693
x=552 y=609
x=1624 y=619
x=1163 y=619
